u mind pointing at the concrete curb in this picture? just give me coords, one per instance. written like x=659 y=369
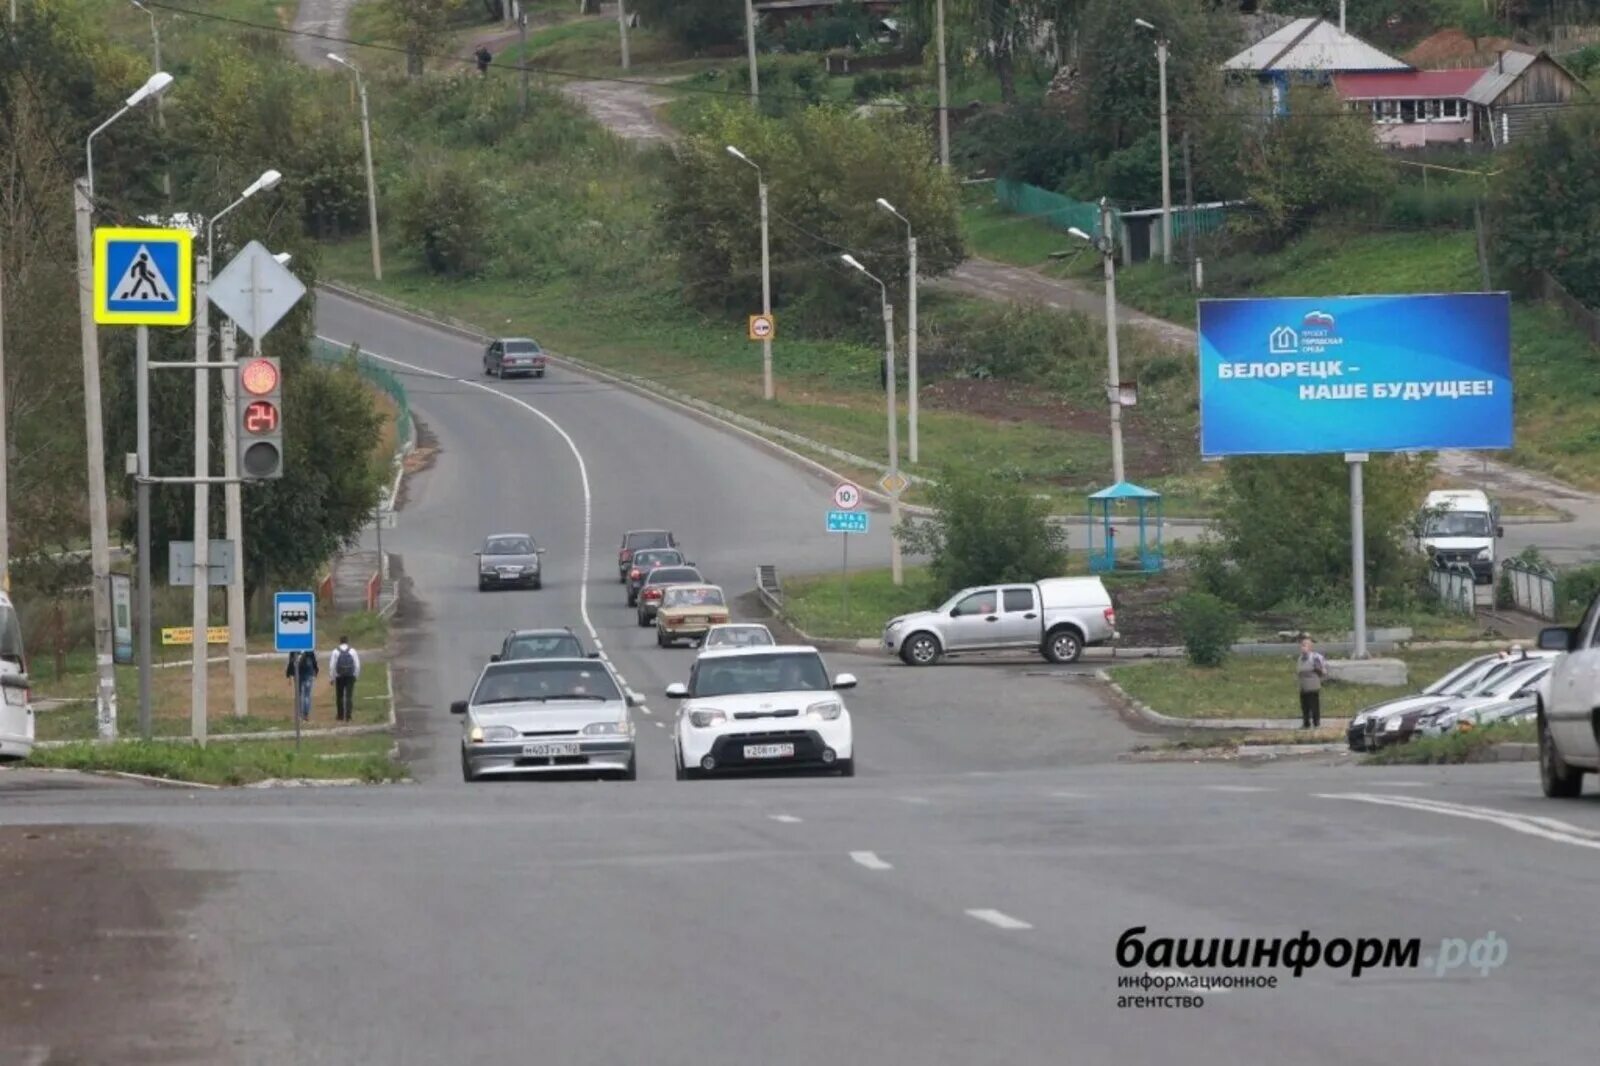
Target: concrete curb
x=1273 y=751
x=1512 y=753
x=1155 y=717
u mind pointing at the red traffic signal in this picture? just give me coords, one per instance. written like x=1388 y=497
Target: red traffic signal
x=259 y=377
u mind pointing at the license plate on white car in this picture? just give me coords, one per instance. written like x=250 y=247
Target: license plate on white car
x=549 y=751
x=769 y=751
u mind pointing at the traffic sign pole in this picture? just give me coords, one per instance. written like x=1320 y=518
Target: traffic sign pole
x=844 y=579
x=141 y=388
x=202 y=498
x=233 y=511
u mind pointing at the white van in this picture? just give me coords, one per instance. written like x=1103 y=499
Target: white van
x=1460 y=526
x=16 y=704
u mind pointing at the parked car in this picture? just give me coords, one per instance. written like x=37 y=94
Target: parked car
x=1515 y=693
x=646 y=560
x=1058 y=617
x=738 y=635
x=546 y=716
x=638 y=540
x=16 y=698
x=1569 y=732
x=1501 y=682
x=560 y=643
x=1456 y=682
x=655 y=582
x=513 y=355
x=508 y=559
x=762 y=707
x=687 y=611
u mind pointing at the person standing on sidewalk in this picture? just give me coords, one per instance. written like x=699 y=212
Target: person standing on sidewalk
x=1310 y=669
x=302 y=672
x=346 y=667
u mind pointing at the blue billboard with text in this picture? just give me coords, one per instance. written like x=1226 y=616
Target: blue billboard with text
x=1304 y=375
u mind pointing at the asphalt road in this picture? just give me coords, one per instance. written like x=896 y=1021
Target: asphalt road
x=960 y=901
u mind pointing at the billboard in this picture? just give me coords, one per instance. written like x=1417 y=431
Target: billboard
x=1306 y=375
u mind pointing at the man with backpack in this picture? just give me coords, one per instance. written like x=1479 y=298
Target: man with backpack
x=345 y=666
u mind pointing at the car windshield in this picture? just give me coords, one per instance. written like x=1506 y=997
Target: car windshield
x=779 y=672
x=658 y=539
x=10 y=637
x=509 y=546
x=739 y=636
x=541 y=681
x=668 y=575
x=1459 y=678
x=520 y=347
x=1509 y=681
x=657 y=557
x=1457 y=524
x=544 y=646
x=692 y=597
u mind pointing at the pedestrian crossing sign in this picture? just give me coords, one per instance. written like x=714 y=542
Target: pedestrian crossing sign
x=142 y=277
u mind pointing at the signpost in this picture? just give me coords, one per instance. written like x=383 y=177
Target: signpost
x=1353 y=375
x=294 y=625
x=184 y=635
x=142 y=277
x=846 y=519
x=255 y=290
x=763 y=327
x=180 y=563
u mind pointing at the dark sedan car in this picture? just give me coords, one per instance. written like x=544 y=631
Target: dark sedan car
x=560 y=643
x=509 y=560
x=638 y=540
x=646 y=560
x=513 y=355
x=658 y=579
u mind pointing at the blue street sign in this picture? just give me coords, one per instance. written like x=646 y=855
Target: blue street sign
x=142 y=277
x=294 y=621
x=847 y=521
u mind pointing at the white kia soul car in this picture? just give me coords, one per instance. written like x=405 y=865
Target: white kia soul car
x=761 y=707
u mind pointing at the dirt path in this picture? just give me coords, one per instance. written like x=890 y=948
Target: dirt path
x=327 y=17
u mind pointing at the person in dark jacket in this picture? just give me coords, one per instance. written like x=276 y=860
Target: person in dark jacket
x=483 y=56
x=303 y=672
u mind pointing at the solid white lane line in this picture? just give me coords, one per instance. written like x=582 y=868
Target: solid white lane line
x=998 y=919
x=1531 y=825
x=870 y=860
x=786 y=819
x=572 y=446
x=1235 y=788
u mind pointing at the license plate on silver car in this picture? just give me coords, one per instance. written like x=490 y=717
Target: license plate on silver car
x=549 y=751
x=769 y=751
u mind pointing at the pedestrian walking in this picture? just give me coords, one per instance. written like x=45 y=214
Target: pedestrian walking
x=346 y=667
x=302 y=672
x=1310 y=669
x=483 y=56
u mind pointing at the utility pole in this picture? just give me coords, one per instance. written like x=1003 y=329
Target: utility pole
x=944 y=89
x=1166 y=170
x=1188 y=210
x=372 y=181
x=161 y=116
x=750 y=45
x=911 y=331
x=5 y=450
x=767 y=392
x=622 y=25
x=1113 y=371
x=896 y=571
x=94 y=436
x=1483 y=242
x=522 y=85
x=200 y=619
x=233 y=505
x=141 y=385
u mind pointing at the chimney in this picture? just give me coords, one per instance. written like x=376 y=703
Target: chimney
x=1500 y=62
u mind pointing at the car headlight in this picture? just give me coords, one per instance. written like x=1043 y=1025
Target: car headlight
x=892 y=626
x=827 y=710
x=493 y=733
x=704 y=719
x=608 y=729
x=1392 y=725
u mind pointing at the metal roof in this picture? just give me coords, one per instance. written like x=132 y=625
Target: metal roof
x=1125 y=490
x=1498 y=78
x=1407 y=84
x=1312 y=44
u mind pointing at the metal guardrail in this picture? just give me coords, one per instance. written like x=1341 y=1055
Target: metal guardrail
x=1456 y=587
x=1533 y=588
x=325 y=352
x=768 y=588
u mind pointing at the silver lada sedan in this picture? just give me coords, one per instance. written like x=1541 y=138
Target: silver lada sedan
x=541 y=716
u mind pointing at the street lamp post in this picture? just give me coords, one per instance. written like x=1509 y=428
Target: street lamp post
x=895 y=569
x=911 y=331
x=750 y=46
x=944 y=89
x=366 y=148
x=202 y=489
x=161 y=118
x=766 y=273
x=1166 y=171
x=94 y=431
x=1107 y=251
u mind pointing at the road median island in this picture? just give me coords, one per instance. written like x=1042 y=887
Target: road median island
x=1500 y=742
x=367 y=759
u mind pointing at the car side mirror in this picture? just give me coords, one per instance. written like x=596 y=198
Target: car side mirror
x=677 y=690
x=458 y=707
x=1556 y=638
x=955 y=612
x=844 y=681
x=633 y=699
x=1499 y=531
x=495 y=657
x=594 y=655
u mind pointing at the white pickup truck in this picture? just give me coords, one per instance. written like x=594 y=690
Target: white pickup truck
x=1057 y=617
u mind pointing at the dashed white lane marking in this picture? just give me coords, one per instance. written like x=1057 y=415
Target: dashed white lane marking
x=786 y=819
x=913 y=799
x=1532 y=825
x=1406 y=784
x=661 y=725
x=645 y=709
x=1069 y=795
x=870 y=860
x=1236 y=788
x=998 y=919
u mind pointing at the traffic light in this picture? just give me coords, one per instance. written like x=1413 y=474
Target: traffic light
x=260 y=414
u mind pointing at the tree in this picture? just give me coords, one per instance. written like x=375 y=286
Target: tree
x=419 y=25
x=698 y=24
x=985 y=529
x=1285 y=525
x=441 y=209
x=1547 y=205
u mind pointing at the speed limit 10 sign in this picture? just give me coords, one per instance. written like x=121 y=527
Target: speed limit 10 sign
x=846 y=496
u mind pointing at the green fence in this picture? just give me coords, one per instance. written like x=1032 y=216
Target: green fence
x=1052 y=208
x=374 y=372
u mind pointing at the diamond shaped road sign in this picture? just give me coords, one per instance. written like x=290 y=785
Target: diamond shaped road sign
x=255 y=290
x=894 y=483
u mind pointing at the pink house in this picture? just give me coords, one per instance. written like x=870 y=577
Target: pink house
x=1413 y=108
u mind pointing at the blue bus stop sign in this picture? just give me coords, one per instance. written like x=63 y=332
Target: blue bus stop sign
x=294 y=621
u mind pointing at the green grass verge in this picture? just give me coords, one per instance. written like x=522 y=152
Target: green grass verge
x=1263 y=686
x=816 y=605
x=1456 y=747
x=365 y=758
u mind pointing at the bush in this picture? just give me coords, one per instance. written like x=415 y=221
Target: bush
x=986 y=529
x=1209 y=627
x=1574 y=590
x=441 y=210
x=1412 y=207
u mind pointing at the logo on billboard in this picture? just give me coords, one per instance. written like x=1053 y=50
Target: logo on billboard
x=1283 y=340
x=1318 y=320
